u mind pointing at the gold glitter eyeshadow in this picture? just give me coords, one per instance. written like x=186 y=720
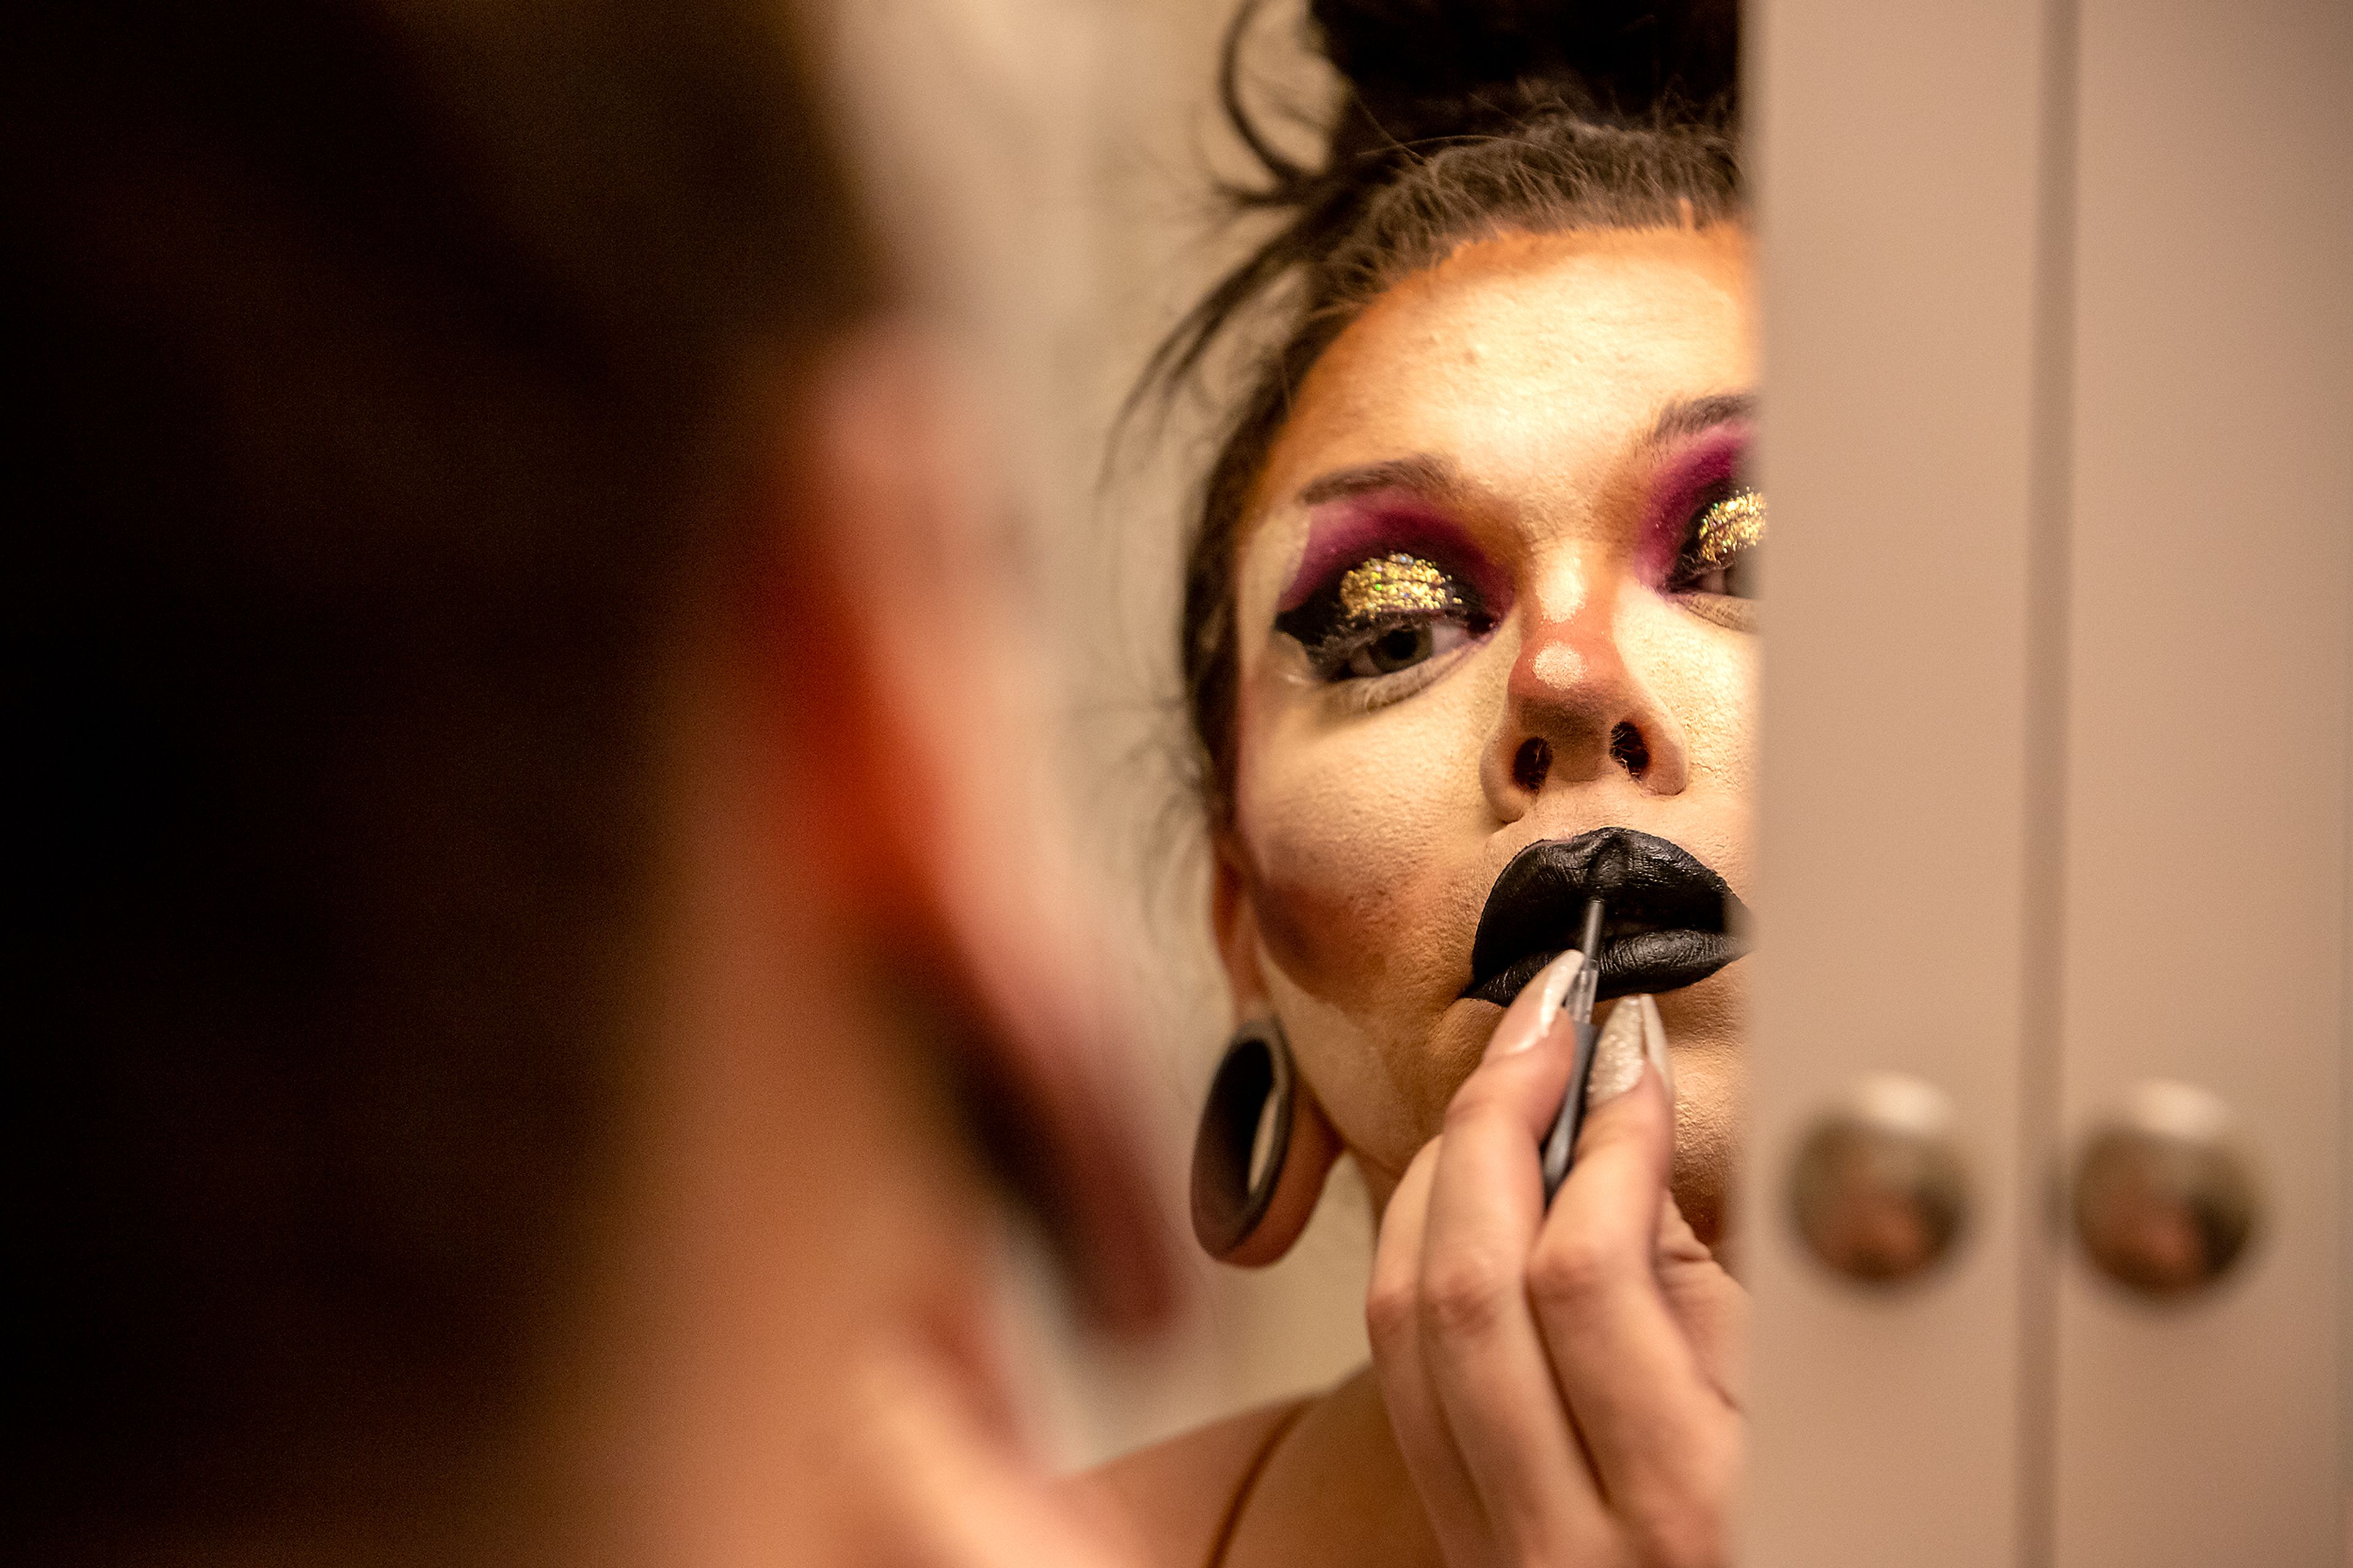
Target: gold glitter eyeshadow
x=1396 y=584
x=1729 y=527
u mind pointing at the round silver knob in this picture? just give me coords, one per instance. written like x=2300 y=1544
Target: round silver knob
x=1879 y=1192
x=2165 y=1202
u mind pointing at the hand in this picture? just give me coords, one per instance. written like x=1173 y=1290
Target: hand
x=1559 y=1383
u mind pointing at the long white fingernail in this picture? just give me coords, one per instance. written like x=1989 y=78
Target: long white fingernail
x=1618 y=1055
x=1523 y=1026
x=1655 y=1045
x=1633 y=1037
x=1553 y=985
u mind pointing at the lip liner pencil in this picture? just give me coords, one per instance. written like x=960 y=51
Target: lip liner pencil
x=1560 y=1146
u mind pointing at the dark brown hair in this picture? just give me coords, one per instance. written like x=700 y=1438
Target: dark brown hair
x=380 y=368
x=1459 y=120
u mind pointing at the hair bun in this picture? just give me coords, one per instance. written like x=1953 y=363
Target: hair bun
x=1429 y=68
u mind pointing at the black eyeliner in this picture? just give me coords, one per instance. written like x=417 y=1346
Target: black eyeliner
x=1323 y=619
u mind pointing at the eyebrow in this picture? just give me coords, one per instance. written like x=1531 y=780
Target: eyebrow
x=1421 y=474
x=1425 y=475
x=1689 y=416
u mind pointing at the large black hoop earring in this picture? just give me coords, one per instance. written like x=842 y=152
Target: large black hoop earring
x=1252 y=1090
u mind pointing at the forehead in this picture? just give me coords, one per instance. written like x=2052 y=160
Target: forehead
x=1527 y=359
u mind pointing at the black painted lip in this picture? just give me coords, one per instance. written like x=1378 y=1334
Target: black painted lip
x=1672 y=921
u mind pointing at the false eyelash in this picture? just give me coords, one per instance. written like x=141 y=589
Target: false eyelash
x=1374 y=596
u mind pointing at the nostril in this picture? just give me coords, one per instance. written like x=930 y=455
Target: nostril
x=1626 y=745
x=1531 y=762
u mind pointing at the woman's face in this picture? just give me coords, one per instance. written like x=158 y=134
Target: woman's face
x=1492 y=591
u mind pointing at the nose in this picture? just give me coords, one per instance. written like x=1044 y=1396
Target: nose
x=1575 y=712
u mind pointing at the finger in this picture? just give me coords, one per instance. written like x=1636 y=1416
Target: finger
x=1706 y=1300
x=1703 y=1297
x=1393 y=1323
x=1480 y=1342
x=1662 y=1439
x=1534 y=1012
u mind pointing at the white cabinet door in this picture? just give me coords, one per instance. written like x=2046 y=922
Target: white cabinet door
x=2211 y=553
x=2059 y=438
x=1899 y=148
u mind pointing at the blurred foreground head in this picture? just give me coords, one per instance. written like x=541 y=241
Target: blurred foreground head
x=526 y=973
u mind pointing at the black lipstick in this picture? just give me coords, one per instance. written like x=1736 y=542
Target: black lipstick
x=1673 y=922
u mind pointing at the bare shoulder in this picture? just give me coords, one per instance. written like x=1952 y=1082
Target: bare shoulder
x=1178 y=1497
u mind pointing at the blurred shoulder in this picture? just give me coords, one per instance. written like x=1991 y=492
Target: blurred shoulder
x=1178 y=1497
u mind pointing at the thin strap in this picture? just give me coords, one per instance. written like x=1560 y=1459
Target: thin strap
x=1224 y=1539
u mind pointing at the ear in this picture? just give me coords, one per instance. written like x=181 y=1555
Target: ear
x=1233 y=922
x=1309 y=1145
x=916 y=722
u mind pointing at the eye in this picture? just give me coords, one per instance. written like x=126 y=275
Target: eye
x=1385 y=616
x=1403 y=646
x=1722 y=546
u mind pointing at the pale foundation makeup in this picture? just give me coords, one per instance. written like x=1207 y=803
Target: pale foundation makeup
x=1542 y=437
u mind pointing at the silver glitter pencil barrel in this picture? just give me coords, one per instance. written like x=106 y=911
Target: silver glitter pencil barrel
x=1560 y=1145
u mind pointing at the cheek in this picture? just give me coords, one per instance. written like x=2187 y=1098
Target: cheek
x=1365 y=835
x=1707 y=679
x=1359 y=829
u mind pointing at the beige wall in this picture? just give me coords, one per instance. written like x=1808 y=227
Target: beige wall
x=1047 y=164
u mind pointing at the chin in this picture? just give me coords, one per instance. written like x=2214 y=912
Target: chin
x=1706 y=1029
